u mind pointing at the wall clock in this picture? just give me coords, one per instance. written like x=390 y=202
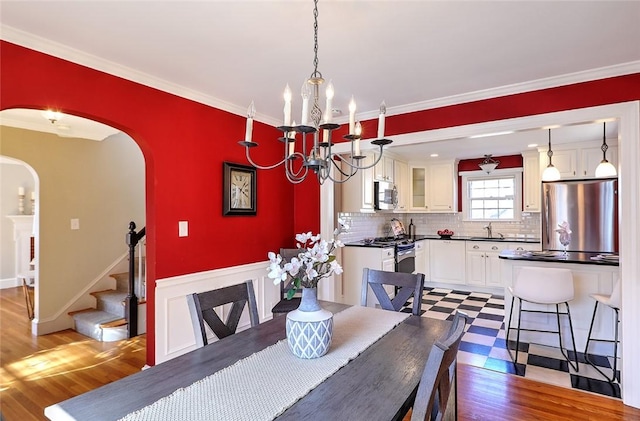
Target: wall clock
x=239 y=189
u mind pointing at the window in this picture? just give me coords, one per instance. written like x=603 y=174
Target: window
x=494 y=197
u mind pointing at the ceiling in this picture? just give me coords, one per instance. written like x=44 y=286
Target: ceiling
x=411 y=54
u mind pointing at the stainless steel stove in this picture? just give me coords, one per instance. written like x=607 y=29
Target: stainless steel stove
x=405 y=253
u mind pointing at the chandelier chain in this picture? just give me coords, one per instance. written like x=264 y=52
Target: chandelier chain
x=316 y=73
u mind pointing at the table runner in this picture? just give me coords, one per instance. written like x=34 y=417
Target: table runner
x=265 y=384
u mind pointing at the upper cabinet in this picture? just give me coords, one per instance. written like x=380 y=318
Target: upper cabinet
x=579 y=162
x=357 y=192
x=433 y=187
x=531 y=182
x=383 y=171
x=401 y=180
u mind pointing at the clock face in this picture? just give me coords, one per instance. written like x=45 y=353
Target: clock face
x=240 y=190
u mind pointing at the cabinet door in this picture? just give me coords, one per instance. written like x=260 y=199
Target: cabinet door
x=447 y=261
x=492 y=270
x=418 y=177
x=591 y=157
x=401 y=180
x=566 y=161
x=357 y=192
x=476 y=268
x=532 y=182
x=442 y=195
x=422 y=258
x=383 y=170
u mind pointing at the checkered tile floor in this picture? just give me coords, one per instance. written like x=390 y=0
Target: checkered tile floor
x=484 y=345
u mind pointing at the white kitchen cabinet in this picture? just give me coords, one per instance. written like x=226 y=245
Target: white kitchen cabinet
x=434 y=187
x=591 y=157
x=422 y=258
x=354 y=260
x=401 y=180
x=447 y=261
x=357 y=192
x=483 y=263
x=580 y=162
x=531 y=181
x=384 y=169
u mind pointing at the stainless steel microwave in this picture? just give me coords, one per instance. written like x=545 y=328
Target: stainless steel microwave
x=385 y=195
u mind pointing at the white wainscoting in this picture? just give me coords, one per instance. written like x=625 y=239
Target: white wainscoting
x=174 y=332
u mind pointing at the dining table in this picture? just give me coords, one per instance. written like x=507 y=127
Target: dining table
x=379 y=383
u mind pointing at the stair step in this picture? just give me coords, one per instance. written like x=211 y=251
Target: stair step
x=84 y=310
x=115 y=323
x=89 y=322
x=111 y=301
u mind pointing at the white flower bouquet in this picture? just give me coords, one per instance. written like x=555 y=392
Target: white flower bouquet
x=314 y=262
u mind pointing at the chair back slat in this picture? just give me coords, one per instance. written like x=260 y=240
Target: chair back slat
x=202 y=310
x=405 y=284
x=439 y=374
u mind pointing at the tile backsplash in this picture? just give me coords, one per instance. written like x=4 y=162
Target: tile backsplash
x=363 y=225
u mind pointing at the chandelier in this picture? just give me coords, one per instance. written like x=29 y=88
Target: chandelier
x=312 y=151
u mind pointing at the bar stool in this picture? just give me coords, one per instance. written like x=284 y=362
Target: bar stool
x=614 y=301
x=550 y=286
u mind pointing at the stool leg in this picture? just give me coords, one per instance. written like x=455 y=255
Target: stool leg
x=518 y=333
x=509 y=324
x=615 y=348
x=565 y=354
x=593 y=319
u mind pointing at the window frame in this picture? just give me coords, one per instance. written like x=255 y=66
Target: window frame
x=468 y=176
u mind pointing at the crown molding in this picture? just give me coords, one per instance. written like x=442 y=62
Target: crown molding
x=46 y=46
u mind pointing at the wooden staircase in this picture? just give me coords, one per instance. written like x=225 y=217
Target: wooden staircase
x=106 y=322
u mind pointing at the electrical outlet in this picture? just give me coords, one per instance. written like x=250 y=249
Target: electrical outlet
x=183 y=229
x=75 y=224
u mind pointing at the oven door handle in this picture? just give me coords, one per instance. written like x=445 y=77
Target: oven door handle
x=405 y=252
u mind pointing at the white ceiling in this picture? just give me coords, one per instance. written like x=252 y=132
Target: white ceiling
x=412 y=54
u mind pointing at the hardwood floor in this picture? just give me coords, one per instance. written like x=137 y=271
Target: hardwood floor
x=39 y=371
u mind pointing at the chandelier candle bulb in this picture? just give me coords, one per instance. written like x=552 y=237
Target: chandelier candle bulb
x=383 y=111
x=352 y=116
x=306 y=94
x=20 y=191
x=287 y=105
x=356 y=142
x=251 y=112
x=329 y=92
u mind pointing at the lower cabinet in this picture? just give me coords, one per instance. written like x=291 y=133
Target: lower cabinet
x=422 y=258
x=447 y=261
x=483 y=264
x=354 y=260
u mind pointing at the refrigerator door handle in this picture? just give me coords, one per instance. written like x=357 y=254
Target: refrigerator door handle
x=546 y=211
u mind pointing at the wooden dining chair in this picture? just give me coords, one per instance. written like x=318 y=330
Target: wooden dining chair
x=406 y=285
x=284 y=305
x=202 y=309
x=438 y=381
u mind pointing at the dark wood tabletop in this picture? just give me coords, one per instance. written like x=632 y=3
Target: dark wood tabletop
x=377 y=385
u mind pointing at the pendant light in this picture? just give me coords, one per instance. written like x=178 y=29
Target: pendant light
x=550 y=173
x=489 y=164
x=605 y=168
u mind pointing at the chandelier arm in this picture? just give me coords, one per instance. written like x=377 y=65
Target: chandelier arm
x=357 y=167
x=262 y=167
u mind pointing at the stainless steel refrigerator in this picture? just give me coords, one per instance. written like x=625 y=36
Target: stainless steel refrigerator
x=590 y=207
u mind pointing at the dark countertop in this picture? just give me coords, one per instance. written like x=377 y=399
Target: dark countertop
x=454 y=238
x=559 y=257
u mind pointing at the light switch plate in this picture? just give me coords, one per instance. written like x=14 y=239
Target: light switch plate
x=183 y=228
x=75 y=224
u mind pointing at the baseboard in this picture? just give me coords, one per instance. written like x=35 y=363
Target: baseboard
x=9 y=283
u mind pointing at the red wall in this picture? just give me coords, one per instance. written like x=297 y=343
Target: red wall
x=184 y=144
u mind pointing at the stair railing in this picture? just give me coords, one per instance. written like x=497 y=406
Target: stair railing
x=131 y=301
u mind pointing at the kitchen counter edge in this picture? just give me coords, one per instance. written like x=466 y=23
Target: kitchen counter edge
x=571 y=257
x=454 y=238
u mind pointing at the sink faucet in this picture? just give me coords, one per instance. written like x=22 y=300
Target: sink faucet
x=488 y=228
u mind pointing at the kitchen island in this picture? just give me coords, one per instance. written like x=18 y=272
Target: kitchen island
x=593 y=273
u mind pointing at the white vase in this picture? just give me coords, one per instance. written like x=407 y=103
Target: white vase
x=310 y=327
